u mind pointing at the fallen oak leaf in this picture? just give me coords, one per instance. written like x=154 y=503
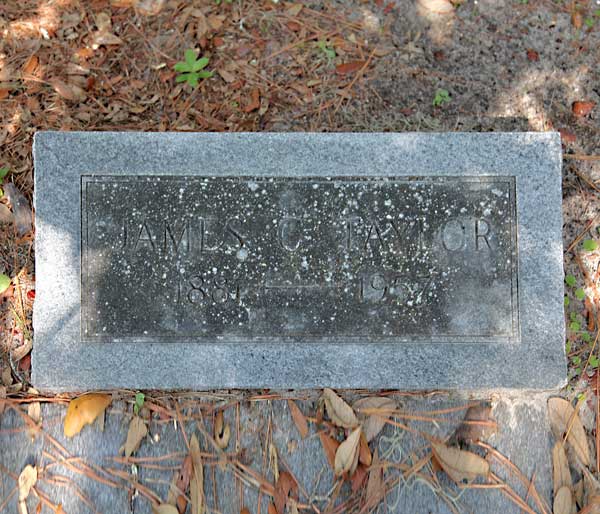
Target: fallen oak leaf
x=339 y=411
x=459 y=465
x=84 y=411
x=374 y=411
x=346 y=456
x=563 y=417
x=330 y=446
x=299 y=418
x=135 y=435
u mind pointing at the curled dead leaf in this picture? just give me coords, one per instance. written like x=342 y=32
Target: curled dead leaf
x=339 y=411
x=346 y=456
x=374 y=411
x=222 y=431
x=561 y=473
x=136 y=433
x=299 y=418
x=83 y=411
x=562 y=416
x=330 y=446
x=563 y=501
x=460 y=465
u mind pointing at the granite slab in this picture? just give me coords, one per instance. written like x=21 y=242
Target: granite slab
x=197 y=260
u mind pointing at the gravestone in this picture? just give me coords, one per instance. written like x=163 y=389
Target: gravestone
x=409 y=261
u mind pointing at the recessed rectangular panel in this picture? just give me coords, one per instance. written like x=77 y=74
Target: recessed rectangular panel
x=313 y=259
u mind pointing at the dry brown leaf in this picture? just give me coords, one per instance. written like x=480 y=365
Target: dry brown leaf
x=27 y=480
x=578 y=492
x=349 y=67
x=226 y=76
x=254 y=102
x=437 y=6
x=197 y=478
x=359 y=477
x=222 y=431
x=560 y=413
x=165 y=508
x=470 y=431
x=563 y=501
x=577 y=19
x=560 y=467
x=339 y=411
x=591 y=486
x=364 y=453
x=176 y=496
x=460 y=465
x=83 y=411
x=149 y=7
x=346 y=456
x=299 y=418
x=284 y=486
x=245 y=510
x=216 y=21
x=293 y=10
x=375 y=489
x=330 y=446
x=136 y=433
x=274 y=461
x=271 y=509
x=30 y=65
x=2 y=397
x=373 y=422
x=582 y=108
x=34 y=411
x=67 y=91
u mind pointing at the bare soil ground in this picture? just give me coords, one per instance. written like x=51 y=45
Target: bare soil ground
x=317 y=65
